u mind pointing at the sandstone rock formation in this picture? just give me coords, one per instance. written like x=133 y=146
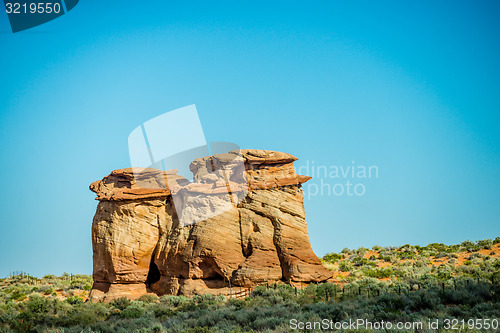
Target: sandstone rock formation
x=241 y=222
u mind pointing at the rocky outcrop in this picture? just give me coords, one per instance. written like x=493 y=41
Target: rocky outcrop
x=241 y=222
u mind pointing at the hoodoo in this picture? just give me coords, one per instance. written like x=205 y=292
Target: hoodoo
x=239 y=223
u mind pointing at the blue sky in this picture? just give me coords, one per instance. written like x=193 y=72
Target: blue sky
x=411 y=87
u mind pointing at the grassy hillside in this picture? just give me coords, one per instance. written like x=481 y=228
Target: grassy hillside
x=20 y=286
x=431 y=264
x=406 y=284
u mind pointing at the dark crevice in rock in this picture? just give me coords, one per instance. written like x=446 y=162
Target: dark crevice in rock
x=248 y=250
x=255 y=227
x=241 y=235
x=153 y=274
x=276 y=242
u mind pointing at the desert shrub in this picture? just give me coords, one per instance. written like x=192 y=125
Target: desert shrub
x=353 y=256
x=361 y=251
x=34 y=312
x=485 y=243
x=134 y=310
x=420 y=264
x=469 y=246
x=187 y=306
x=437 y=247
x=379 y=273
x=74 y=300
x=325 y=290
x=18 y=295
x=406 y=255
x=38 y=304
x=77 y=315
x=238 y=303
x=477 y=261
x=275 y=295
x=142 y=324
x=209 y=300
x=475 y=255
x=441 y=255
x=121 y=303
x=332 y=257
x=68 y=293
x=384 y=257
x=198 y=330
x=345 y=266
x=444 y=272
x=468 y=270
x=161 y=310
x=473 y=294
x=174 y=300
x=148 y=298
x=360 y=261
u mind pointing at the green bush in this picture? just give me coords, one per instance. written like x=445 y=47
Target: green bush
x=406 y=255
x=161 y=310
x=134 y=310
x=74 y=300
x=174 y=300
x=332 y=257
x=121 y=303
x=198 y=330
x=379 y=273
x=148 y=298
x=326 y=290
x=345 y=266
x=18 y=296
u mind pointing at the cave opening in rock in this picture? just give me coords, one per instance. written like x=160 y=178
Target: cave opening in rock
x=210 y=270
x=153 y=274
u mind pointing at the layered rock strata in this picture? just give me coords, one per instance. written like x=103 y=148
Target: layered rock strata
x=240 y=223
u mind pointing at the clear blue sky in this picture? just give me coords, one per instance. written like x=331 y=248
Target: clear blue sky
x=409 y=86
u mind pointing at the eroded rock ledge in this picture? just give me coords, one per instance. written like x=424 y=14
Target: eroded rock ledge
x=142 y=243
